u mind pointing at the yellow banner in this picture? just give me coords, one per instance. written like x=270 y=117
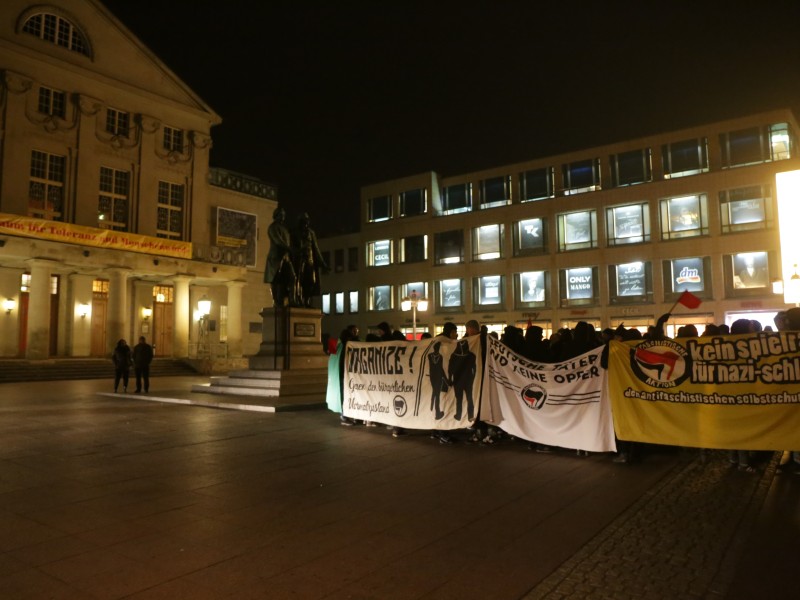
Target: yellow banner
x=92 y=236
x=737 y=392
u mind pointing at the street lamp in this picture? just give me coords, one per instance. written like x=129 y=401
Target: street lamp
x=204 y=309
x=413 y=303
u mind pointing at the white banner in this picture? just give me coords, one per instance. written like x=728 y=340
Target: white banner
x=429 y=384
x=561 y=404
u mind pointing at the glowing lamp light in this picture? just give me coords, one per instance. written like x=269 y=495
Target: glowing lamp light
x=788 y=187
x=204 y=306
x=147 y=312
x=83 y=310
x=9 y=304
x=414 y=303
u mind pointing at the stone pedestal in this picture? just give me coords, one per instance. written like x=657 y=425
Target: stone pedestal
x=291 y=340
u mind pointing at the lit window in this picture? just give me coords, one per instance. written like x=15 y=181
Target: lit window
x=450 y=293
x=379 y=253
x=755 y=145
x=52 y=102
x=746 y=208
x=685 y=216
x=326 y=304
x=581 y=176
x=688 y=157
x=457 y=199
x=495 y=191
x=339 y=303
x=414 y=202
x=353 y=299
x=531 y=288
x=686 y=274
x=577 y=231
x=59 y=31
x=536 y=184
x=118 y=122
x=173 y=139
x=414 y=249
x=628 y=224
x=578 y=286
x=488 y=290
x=747 y=274
x=530 y=237
x=46 y=186
x=112 y=210
x=380 y=297
x=420 y=287
x=169 y=211
x=630 y=168
x=630 y=283
x=487 y=242
x=448 y=247
x=380 y=209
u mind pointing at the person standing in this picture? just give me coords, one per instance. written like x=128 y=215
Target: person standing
x=142 y=357
x=122 y=364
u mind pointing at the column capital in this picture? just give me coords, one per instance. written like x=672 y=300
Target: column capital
x=236 y=284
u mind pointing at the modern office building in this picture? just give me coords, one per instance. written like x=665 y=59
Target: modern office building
x=112 y=223
x=607 y=235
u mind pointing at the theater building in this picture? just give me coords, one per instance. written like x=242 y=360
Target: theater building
x=112 y=223
x=607 y=235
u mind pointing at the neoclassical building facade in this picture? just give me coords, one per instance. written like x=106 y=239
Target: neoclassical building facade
x=112 y=223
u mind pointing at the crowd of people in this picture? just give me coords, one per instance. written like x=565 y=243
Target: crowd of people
x=563 y=345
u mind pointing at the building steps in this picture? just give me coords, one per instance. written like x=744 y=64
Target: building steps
x=268 y=383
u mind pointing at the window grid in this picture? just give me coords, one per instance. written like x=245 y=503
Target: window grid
x=173 y=139
x=747 y=208
x=59 y=31
x=46 y=186
x=112 y=211
x=52 y=102
x=169 y=217
x=118 y=122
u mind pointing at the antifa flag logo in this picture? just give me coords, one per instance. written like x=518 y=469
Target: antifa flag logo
x=534 y=396
x=660 y=363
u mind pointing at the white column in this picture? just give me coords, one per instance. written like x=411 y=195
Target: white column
x=235 y=317
x=39 y=309
x=183 y=315
x=117 y=325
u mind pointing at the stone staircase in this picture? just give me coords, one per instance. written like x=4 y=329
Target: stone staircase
x=16 y=370
x=308 y=384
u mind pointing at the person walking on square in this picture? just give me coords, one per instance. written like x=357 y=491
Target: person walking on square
x=122 y=364
x=142 y=357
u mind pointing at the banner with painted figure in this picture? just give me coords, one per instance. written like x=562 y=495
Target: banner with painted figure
x=739 y=392
x=560 y=404
x=427 y=384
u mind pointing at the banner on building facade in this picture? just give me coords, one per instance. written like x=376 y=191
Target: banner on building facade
x=736 y=392
x=55 y=231
x=560 y=404
x=427 y=384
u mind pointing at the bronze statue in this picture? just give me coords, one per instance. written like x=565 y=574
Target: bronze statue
x=308 y=261
x=280 y=273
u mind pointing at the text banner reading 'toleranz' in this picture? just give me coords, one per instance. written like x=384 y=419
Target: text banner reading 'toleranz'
x=736 y=392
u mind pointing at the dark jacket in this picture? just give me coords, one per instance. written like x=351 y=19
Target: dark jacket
x=142 y=355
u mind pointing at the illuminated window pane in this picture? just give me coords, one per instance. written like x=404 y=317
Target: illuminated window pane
x=529 y=237
x=684 y=216
x=450 y=293
x=487 y=242
x=448 y=247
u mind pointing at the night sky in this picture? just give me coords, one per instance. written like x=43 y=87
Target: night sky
x=323 y=98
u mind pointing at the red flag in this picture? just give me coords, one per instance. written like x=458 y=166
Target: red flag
x=689 y=300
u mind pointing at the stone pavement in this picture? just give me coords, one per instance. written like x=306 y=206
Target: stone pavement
x=107 y=496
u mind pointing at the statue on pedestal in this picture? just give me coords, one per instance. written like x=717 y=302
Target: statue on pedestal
x=280 y=273
x=308 y=261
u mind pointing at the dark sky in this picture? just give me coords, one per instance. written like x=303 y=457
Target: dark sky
x=322 y=98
